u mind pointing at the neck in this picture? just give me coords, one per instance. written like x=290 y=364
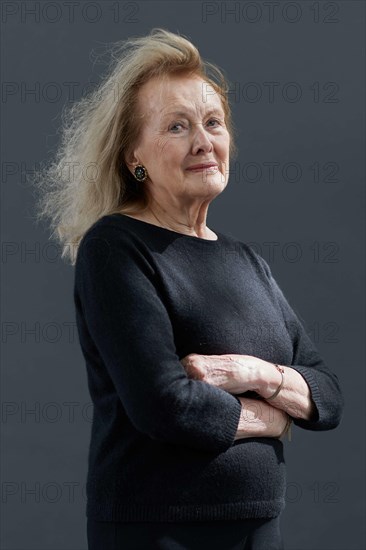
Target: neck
x=196 y=227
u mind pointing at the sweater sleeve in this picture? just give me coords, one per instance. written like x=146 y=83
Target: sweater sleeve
x=133 y=337
x=323 y=383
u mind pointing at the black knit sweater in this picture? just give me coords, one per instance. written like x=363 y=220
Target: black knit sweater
x=162 y=445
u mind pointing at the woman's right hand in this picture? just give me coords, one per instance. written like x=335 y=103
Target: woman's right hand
x=260 y=419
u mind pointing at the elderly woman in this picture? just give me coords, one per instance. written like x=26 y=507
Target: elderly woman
x=196 y=363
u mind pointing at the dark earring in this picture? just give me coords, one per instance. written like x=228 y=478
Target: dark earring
x=140 y=172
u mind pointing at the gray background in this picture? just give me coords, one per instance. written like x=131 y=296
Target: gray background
x=307 y=221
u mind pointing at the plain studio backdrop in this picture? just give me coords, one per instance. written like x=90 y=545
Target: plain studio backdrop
x=296 y=192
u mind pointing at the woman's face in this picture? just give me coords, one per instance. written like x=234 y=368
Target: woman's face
x=183 y=126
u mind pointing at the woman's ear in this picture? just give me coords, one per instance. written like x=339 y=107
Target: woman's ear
x=131 y=159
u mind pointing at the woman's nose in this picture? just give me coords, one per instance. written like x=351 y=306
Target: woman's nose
x=201 y=139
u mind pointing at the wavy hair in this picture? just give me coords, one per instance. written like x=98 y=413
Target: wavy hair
x=87 y=176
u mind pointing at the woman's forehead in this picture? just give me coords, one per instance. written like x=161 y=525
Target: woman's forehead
x=179 y=95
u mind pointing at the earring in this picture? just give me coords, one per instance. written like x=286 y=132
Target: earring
x=140 y=172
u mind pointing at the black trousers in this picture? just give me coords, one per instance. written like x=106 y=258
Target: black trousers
x=246 y=534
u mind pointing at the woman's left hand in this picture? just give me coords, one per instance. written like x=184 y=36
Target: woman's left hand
x=233 y=373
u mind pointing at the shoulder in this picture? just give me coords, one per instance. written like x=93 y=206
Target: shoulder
x=104 y=242
x=107 y=226
x=258 y=261
x=105 y=232
x=110 y=246
x=247 y=251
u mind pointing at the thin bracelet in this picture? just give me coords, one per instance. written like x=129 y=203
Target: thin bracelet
x=286 y=429
x=282 y=371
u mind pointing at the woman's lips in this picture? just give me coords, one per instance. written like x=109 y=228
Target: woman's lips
x=211 y=168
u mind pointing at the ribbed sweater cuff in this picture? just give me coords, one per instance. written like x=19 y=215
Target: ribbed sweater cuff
x=232 y=424
x=307 y=374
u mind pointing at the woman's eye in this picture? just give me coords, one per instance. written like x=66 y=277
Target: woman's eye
x=174 y=126
x=214 y=120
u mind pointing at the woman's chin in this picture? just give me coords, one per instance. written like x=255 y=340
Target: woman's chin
x=209 y=178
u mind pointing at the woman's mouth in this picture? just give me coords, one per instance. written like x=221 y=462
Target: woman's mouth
x=203 y=167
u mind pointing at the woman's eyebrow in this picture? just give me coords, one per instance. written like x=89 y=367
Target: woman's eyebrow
x=185 y=113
